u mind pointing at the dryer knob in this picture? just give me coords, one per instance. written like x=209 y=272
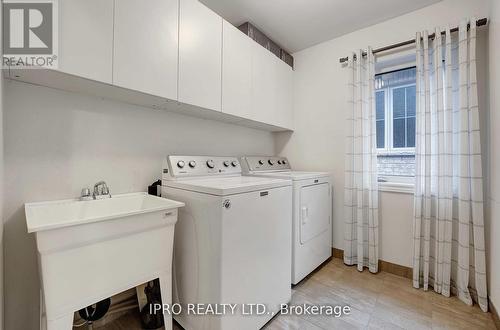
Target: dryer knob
x=210 y=163
x=234 y=163
x=192 y=164
x=261 y=162
x=279 y=162
x=271 y=162
x=226 y=163
x=180 y=164
x=284 y=162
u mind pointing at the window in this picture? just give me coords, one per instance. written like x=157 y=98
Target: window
x=403 y=117
x=380 y=117
x=395 y=105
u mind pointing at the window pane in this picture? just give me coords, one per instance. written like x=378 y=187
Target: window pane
x=410 y=131
x=380 y=104
x=380 y=134
x=398 y=102
x=398 y=133
x=410 y=101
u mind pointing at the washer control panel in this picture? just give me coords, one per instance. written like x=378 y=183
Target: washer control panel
x=186 y=166
x=264 y=163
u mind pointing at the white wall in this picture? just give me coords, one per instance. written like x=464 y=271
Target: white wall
x=58 y=142
x=494 y=192
x=320 y=105
x=1 y=175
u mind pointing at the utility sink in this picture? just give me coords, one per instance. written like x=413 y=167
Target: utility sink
x=91 y=250
x=65 y=213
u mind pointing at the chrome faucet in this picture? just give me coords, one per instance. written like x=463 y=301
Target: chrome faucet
x=85 y=195
x=101 y=190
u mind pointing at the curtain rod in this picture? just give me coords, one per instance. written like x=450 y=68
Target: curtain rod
x=479 y=22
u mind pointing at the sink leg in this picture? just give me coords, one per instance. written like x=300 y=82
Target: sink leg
x=166 y=297
x=62 y=323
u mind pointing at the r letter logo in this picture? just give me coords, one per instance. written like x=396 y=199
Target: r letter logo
x=29 y=33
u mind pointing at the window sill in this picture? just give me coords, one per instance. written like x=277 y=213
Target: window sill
x=397 y=187
x=385 y=153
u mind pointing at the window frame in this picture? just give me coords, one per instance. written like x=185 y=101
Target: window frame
x=389 y=183
x=388 y=123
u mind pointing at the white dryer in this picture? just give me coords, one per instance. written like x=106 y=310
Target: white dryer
x=312 y=211
x=231 y=243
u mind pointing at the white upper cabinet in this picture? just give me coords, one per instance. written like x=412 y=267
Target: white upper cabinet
x=272 y=83
x=284 y=95
x=200 y=55
x=264 y=85
x=236 y=72
x=146 y=46
x=169 y=49
x=86 y=38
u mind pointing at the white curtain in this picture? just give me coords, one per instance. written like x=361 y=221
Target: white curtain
x=449 y=251
x=361 y=187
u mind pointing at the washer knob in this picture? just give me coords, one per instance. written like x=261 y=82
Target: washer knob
x=279 y=162
x=271 y=162
x=226 y=163
x=180 y=164
x=192 y=164
x=261 y=162
x=284 y=162
x=234 y=163
x=210 y=163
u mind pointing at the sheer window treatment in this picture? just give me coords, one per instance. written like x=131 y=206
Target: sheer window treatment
x=361 y=187
x=449 y=251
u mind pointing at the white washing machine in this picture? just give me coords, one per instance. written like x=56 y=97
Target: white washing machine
x=231 y=242
x=312 y=211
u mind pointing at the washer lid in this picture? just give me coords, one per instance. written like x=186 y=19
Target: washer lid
x=293 y=175
x=230 y=185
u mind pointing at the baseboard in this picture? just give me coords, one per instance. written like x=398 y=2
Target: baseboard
x=385 y=266
x=395 y=269
x=494 y=314
x=338 y=253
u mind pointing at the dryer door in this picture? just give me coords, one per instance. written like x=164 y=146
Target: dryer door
x=314 y=211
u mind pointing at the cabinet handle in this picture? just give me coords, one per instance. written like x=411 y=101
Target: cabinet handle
x=264 y=193
x=167 y=214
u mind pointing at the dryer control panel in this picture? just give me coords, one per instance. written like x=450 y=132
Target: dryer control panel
x=193 y=166
x=264 y=163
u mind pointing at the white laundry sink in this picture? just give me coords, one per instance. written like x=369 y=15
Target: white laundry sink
x=91 y=250
x=65 y=213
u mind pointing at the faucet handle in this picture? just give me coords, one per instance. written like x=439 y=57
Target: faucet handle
x=101 y=190
x=85 y=195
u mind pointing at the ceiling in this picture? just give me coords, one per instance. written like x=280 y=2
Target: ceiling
x=299 y=24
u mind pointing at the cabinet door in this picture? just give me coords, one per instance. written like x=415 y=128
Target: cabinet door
x=284 y=94
x=86 y=38
x=263 y=85
x=236 y=72
x=200 y=55
x=146 y=46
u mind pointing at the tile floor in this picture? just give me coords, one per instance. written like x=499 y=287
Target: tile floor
x=381 y=301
